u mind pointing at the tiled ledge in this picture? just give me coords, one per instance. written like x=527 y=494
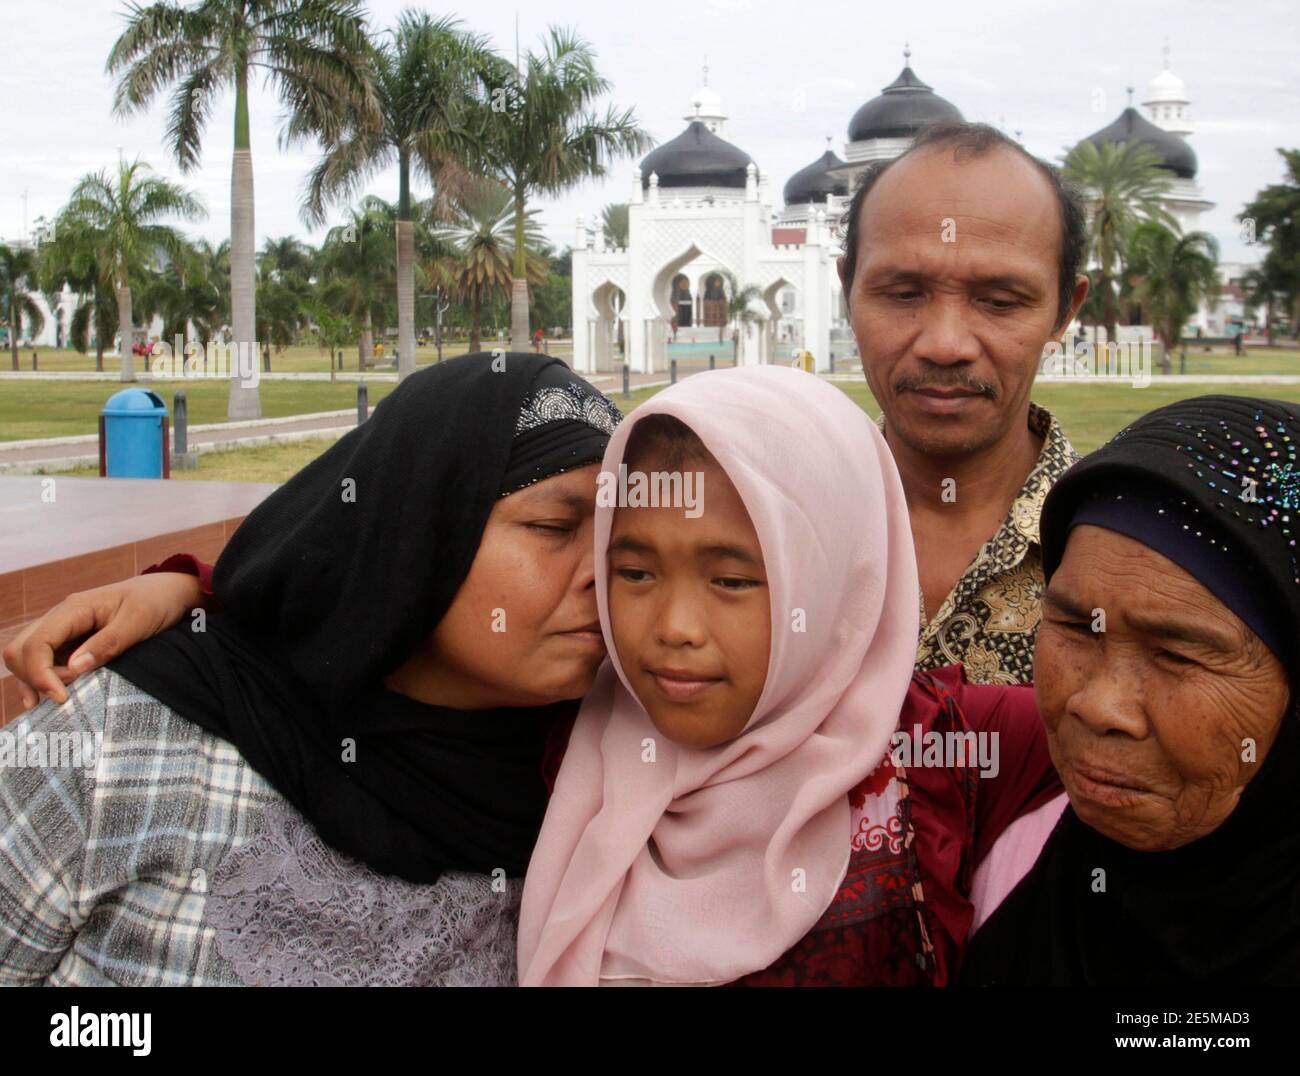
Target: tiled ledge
x=98 y=530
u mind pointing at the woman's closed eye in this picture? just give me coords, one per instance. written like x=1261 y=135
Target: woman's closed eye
x=552 y=526
x=736 y=583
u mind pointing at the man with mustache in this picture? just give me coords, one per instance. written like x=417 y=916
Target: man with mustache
x=961 y=263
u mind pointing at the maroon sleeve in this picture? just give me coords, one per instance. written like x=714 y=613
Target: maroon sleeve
x=1026 y=778
x=188 y=564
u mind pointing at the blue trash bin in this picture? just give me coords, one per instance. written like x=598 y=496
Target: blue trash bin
x=133 y=436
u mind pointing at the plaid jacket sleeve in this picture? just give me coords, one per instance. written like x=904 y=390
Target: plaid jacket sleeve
x=48 y=769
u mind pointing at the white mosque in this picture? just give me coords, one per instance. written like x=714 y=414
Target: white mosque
x=700 y=215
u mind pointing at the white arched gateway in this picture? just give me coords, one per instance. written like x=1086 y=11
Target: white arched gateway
x=700 y=219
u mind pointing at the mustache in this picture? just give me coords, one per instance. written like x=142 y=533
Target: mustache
x=946 y=379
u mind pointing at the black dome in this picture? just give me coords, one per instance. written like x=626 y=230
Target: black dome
x=1131 y=126
x=696 y=158
x=814 y=184
x=904 y=106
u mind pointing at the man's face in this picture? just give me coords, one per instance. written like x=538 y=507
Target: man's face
x=954 y=295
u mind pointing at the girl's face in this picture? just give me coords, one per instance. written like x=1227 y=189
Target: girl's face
x=523 y=629
x=689 y=610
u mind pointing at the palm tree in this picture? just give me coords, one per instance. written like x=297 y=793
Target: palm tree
x=186 y=295
x=1267 y=285
x=286 y=269
x=122 y=216
x=18 y=286
x=739 y=313
x=314 y=52
x=537 y=136
x=1173 y=273
x=423 y=75
x=71 y=258
x=288 y=260
x=1275 y=213
x=483 y=235
x=1124 y=184
x=613 y=219
x=357 y=263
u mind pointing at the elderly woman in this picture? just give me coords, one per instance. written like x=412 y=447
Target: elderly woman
x=1165 y=673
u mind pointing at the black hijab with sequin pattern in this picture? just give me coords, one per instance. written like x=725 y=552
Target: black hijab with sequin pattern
x=1224 y=909
x=333 y=581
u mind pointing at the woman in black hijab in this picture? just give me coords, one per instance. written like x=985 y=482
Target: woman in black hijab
x=400 y=626
x=1165 y=672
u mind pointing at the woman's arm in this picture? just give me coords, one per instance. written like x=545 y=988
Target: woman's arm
x=115 y=617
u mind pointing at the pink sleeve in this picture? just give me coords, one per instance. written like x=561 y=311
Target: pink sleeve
x=1011 y=856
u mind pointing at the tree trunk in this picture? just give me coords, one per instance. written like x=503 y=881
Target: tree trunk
x=244 y=401
x=475 y=343
x=405 y=271
x=1110 y=313
x=13 y=336
x=366 y=345
x=405 y=299
x=126 y=331
x=519 y=284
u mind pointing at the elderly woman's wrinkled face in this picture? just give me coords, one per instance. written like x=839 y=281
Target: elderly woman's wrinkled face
x=1157 y=723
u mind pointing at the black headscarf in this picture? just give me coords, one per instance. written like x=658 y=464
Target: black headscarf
x=1224 y=909
x=333 y=581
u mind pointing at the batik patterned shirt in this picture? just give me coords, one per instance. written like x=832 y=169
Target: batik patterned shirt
x=989 y=620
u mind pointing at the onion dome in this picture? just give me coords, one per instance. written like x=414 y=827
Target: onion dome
x=1176 y=156
x=696 y=158
x=904 y=106
x=815 y=183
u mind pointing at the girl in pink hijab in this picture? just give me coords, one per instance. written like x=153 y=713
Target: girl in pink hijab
x=734 y=803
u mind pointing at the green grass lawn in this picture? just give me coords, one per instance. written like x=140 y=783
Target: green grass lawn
x=1091 y=414
x=302 y=358
x=66 y=408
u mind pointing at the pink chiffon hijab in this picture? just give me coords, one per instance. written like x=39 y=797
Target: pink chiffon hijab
x=704 y=865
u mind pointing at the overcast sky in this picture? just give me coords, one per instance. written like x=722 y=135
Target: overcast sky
x=789 y=74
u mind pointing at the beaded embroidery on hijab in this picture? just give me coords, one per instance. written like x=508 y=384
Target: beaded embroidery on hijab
x=563 y=423
x=1250 y=458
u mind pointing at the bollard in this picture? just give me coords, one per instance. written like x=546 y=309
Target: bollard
x=672 y=367
x=33 y=360
x=180 y=422
x=266 y=359
x=832 y=362
x=182 y=457
x=363 y=405
x=627 y=382
x=340 y=358
x=711 y=362
x=1182 y=361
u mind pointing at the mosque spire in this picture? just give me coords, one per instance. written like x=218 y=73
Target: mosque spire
x=907 y=54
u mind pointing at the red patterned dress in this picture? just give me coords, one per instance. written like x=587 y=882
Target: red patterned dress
x=903 y=912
